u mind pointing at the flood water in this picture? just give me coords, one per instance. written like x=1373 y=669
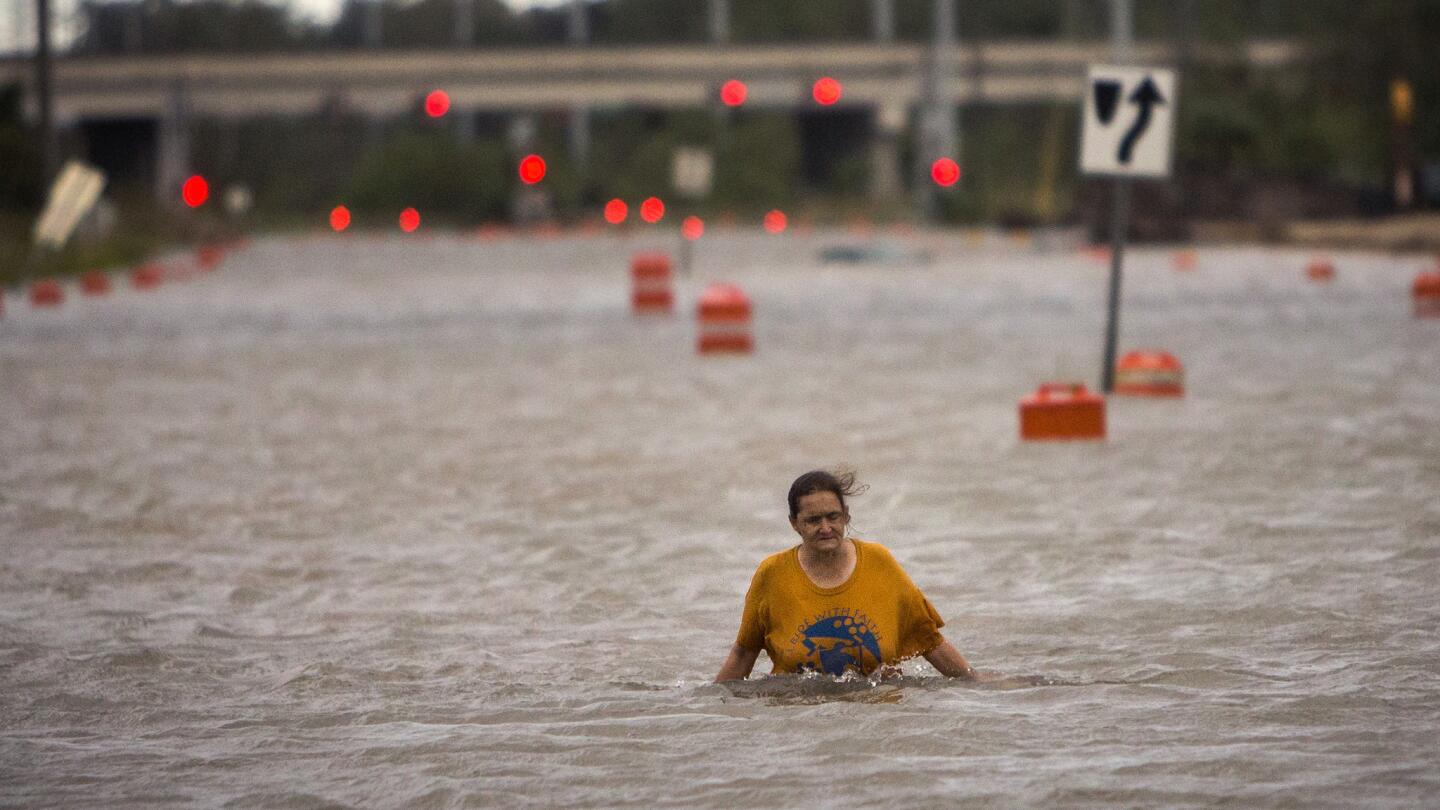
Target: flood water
x=435 y=522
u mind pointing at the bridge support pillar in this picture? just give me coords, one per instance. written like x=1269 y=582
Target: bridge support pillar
x=172 y=164
x=578 y=138
x=465 y=126
x=885 y=182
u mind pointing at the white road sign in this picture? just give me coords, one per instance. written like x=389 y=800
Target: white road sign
x=72 y=196
x=691 y=171
x=1129 y=121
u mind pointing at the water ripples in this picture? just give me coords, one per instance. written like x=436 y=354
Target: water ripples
x=340 y=527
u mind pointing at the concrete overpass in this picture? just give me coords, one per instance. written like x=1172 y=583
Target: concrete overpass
x=886 y=80
x=388 y=82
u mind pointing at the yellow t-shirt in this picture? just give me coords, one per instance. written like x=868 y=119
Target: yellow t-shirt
x=876 y=617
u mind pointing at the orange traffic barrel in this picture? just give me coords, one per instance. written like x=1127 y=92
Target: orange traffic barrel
x=179 y=271
x=546 y=229
x=724 y=320
x=491 y=231
x=650 y=287
x=46 y=292
x=208 y=257
x=1320 y=270
x=147 y=276
x=1427 y=295
x=94 y=283
x=1062 y=410
x=1149 y=373
x=1185 y=260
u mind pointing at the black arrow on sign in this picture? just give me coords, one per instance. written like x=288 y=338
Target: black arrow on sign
x=1147 y=96
x=1107 y=93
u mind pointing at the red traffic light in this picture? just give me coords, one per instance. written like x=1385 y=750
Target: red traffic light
x=195 y=191
x=945 y=172
x=532 y=169
x=692 y=228
x=776 y=221
x=409 y=220
x=437 y=103
x=826 y=91
x=339 y=218
x=652 y=210
x=615 y=211
x=733 y=93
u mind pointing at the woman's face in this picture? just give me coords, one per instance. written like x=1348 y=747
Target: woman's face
x=820 y=521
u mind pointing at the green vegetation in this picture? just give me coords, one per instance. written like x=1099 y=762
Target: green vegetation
x=433 y=172
x=1322 y=128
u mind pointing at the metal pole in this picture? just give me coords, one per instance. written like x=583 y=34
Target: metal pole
x=720 y=22
x=43 y=90
x=937 y=118
x=687 y=256
x=578 y=125
x=883 y=19
x=1121 y=40
x=464 y=23
x=372 y=34
x=578 y=30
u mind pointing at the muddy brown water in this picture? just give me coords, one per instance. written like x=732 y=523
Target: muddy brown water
x=435 y=522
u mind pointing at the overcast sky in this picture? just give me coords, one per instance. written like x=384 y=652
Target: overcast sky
x=17 y=18
x=327 y=9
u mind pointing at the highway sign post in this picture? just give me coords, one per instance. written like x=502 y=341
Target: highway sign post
x=1127 y=131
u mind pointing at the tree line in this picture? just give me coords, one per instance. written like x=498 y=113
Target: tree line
x=1323 y=126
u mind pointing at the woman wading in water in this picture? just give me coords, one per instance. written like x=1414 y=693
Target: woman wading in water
x=834 y=603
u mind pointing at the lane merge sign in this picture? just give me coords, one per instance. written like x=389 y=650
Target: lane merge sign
x=1129 y=123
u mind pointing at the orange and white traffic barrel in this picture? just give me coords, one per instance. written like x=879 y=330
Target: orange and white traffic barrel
x=95 y=283
x=1320 y=270
x=208 y=257
x=491 y=231
x=1427 y=295
x=46 y=292
x=724 y=320
x=652 y=290
x=147 y=276
x=1062 y=410
x=1149 y=373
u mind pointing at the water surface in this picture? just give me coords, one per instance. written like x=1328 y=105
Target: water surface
x=437 y=522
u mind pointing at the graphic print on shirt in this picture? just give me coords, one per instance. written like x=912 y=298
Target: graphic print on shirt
x=838 y=640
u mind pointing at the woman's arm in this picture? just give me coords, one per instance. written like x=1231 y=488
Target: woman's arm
x=737 y=664
x=949 y=661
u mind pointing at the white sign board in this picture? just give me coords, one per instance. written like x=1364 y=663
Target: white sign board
x=72 y=196
x=692 y=171
x=1129 y=121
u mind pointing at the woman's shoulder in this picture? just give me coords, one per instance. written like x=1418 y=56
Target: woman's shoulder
x=875 y=552
x=775 y=562
x=872 y=547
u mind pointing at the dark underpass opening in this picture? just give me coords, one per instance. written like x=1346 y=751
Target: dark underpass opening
x=835 y=149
